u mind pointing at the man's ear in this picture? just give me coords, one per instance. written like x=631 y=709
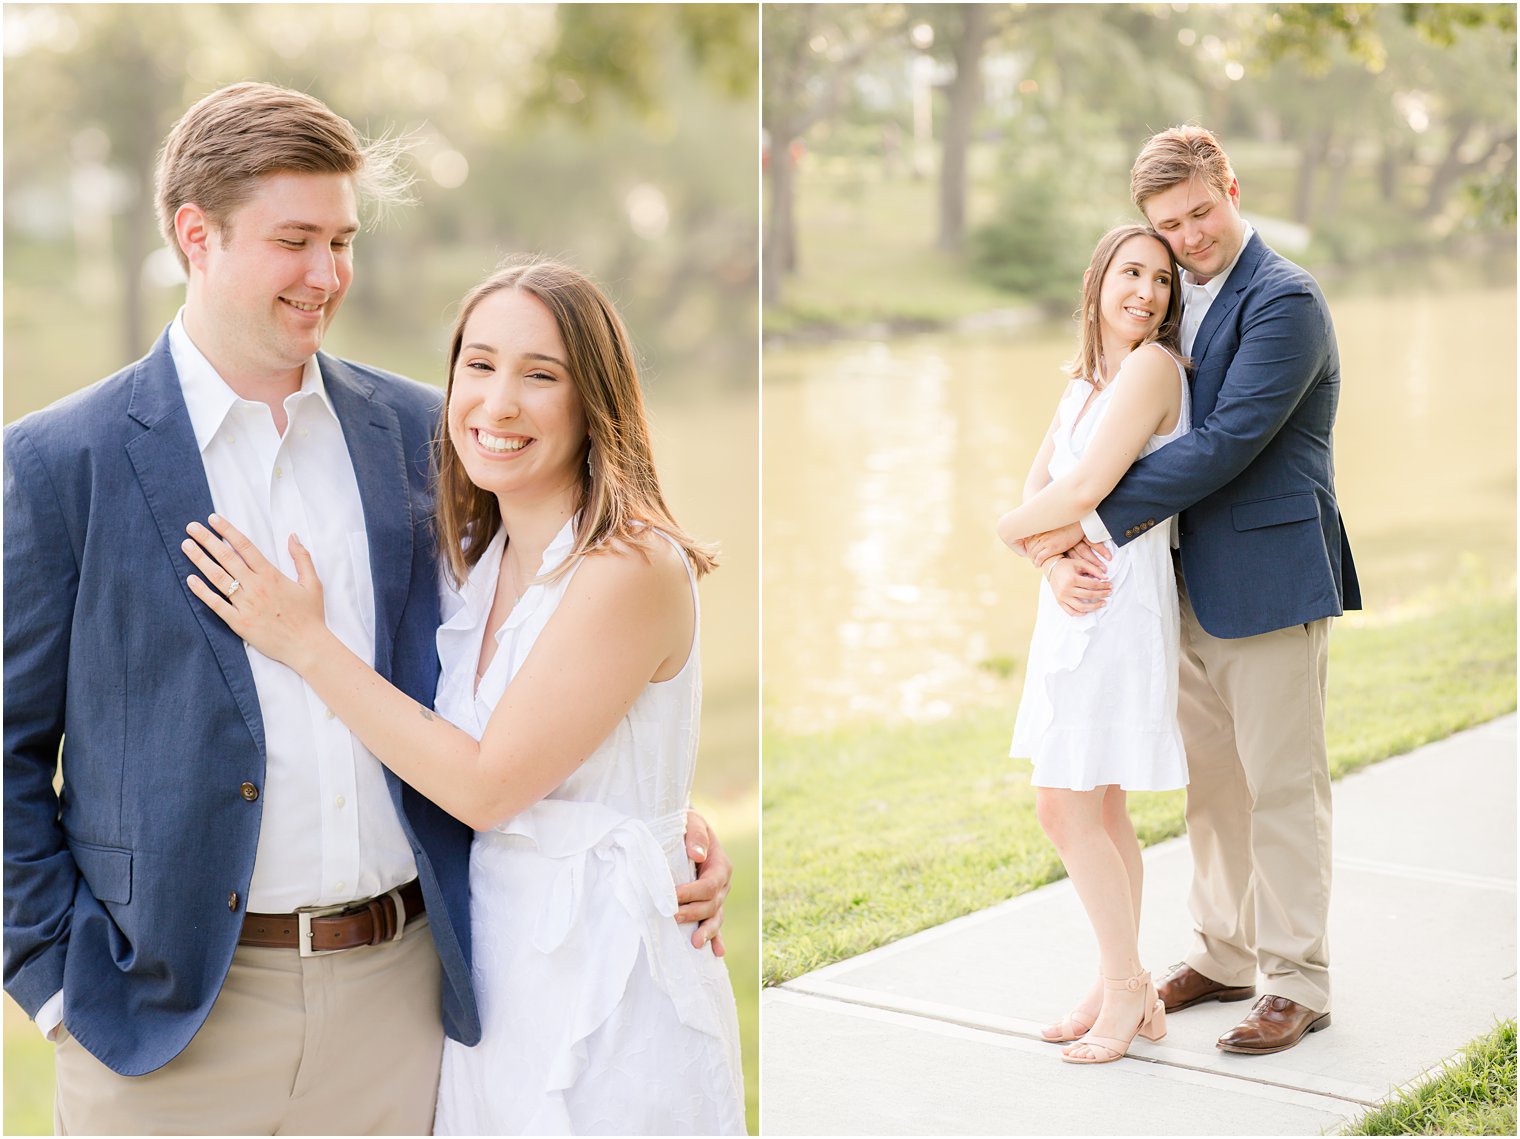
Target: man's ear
x=192 y=229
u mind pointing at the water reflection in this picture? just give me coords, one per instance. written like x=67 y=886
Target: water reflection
x=706 y=452
x=887 y=595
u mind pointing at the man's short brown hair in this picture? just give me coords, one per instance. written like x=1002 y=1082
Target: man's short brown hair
x=227 y=142
x=1177 y=155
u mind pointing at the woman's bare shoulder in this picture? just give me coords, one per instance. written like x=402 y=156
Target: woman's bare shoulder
x=1149 y=368
x=1153 y=356
x=645 y=564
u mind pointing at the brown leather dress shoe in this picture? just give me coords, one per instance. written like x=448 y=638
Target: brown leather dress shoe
x=1275 y=1024
x=1184 y=987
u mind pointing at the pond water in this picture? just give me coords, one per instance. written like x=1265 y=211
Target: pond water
x=887 y=595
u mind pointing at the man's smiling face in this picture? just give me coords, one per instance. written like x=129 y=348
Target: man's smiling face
x=274 y=275
x=1203 y=227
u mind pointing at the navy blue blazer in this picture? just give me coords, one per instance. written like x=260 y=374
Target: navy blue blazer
x=1253 y=483
x=128 y=890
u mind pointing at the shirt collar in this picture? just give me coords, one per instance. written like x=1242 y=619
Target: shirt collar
x=1216 y=282
x=479 y=587
x=207 y=396
x=560 y=547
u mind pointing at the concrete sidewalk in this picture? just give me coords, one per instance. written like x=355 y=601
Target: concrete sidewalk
x=939 y=1033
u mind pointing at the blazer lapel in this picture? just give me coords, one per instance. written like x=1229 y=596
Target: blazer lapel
x=173 y=479
x=372 y=431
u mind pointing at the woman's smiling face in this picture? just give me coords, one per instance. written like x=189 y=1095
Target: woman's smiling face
x=515 y=416
x=1136 y=288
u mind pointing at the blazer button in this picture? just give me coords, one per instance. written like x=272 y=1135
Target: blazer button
x=249 y=791
x=232 y=901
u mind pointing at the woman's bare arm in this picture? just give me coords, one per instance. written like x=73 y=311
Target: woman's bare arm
x=1146 y=394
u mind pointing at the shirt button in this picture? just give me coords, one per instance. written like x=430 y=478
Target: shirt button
x=249 y=791
x=303 y=433
x=339 y=801
x=340 y=886
x=331 y=715
x=279 y=472
x=232 y=901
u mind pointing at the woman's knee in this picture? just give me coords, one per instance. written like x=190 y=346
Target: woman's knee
x=1116 y=820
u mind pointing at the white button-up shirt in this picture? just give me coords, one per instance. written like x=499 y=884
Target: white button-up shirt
x=329 y=831
x=1196 y=300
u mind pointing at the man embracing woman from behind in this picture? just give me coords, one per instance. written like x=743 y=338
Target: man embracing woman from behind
x=1182 y=512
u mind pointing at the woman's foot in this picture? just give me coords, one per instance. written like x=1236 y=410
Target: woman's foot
x=1080 y=1020
x=1130 y=1008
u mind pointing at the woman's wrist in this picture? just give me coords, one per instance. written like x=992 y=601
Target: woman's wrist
x=313 y=650
x=1048 y=566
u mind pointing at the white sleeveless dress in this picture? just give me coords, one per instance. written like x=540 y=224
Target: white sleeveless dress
x=598 y=1017
x=1100 y=691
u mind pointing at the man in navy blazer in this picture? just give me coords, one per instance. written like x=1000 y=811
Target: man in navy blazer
x=200 y=782
x=1263 y=565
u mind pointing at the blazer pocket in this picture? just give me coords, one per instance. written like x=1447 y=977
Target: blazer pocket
x=1274 y=511
x=107 y=870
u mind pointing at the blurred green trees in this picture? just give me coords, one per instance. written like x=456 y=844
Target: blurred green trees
x=620 y=137
x=1360 y=131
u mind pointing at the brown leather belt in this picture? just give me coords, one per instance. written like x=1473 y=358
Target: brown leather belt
x=328 y=929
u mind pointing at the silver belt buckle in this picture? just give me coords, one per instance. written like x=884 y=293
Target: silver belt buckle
x=303 y=929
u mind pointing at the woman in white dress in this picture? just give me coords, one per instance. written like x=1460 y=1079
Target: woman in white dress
x=566 y=725
x=1099 y=710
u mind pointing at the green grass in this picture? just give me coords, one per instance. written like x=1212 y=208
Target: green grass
x=29 y=1058
x=875 y=832
x=28 y=1076
x=1473 y=1094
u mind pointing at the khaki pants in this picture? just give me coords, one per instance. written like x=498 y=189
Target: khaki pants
x=1252 y=713
x=346 y=1044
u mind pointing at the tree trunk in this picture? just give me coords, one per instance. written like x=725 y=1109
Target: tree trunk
x=135 y=131
x=1340 y=164
x=1446 y=175
x=1390 y=166
x=133 y=247
x=965 y=99
x=1311 y=158
x=779 y=251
